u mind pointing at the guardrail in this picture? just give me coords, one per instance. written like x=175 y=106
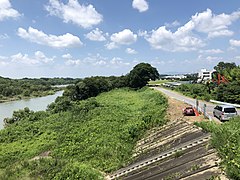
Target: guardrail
x=224 y=103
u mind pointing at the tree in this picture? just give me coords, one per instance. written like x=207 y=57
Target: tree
x=141 y=74
x=223 y=67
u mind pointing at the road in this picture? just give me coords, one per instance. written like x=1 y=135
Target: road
x=188 y=100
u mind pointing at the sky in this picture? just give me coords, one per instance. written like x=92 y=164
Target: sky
x=82 y=38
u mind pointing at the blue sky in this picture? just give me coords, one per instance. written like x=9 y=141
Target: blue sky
x=79 y=38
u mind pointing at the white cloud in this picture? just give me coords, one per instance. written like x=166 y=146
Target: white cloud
x=234 y=42
x=111 y=45
x=71 y=62
x=95 y=35
x=124 y=37
x=84 y=16
x=38 y=58
x=140 y=5
x=220 y=33
x=181 y=40
x=6 y=10
x=131 y=51
x=173 y=24
x=142 y=33
x=3 y=57
x=214 y=25
x=67 y=56
x=116 y=61
x=185 y=37
x=63 y=41
x=211 y=51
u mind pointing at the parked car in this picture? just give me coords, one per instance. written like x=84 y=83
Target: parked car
x=188 y=111
x=224 y=112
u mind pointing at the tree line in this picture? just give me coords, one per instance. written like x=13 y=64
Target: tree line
x=88 y=87
x=26 y=87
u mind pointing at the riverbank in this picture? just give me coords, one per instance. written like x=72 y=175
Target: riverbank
x=75 y=142
x=34 y=95
x=35 y=104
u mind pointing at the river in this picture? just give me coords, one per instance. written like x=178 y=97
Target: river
x=35 y=104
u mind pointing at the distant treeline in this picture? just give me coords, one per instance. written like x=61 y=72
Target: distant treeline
x=26 y=87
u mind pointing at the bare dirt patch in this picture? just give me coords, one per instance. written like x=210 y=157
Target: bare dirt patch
x=175 y=112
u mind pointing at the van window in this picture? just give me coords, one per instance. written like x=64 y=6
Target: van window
x=229 y=110
x=219 y=108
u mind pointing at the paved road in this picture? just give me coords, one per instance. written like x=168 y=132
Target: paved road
x=180 y=97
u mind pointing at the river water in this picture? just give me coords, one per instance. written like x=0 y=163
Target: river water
x=35 y=104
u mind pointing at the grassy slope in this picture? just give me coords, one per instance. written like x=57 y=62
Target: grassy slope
x=158 y=81
x=96 y=135
x=226 y=139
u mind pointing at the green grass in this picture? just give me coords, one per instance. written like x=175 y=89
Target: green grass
x=226 y=139
x=96 y=135
x=158 y=81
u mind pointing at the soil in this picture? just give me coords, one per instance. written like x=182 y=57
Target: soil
x=175 y=112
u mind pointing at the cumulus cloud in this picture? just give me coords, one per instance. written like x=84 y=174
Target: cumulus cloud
x=38 y=58
x=6 y=10
x=235 y=43
x=214 y=25
x=185 y=37
x=131 y=51
x=73 y=62
x=96 y=35
x=63 y=41
x=84 y=16
x=124 y=37
x=181 y=40
x=67 y=56
x=117 y=61
x=140 y=5
x=111 y=45
x=220 y=33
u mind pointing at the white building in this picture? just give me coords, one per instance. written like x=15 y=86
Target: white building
x=204 y=75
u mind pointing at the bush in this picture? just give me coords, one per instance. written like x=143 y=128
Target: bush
x=78 y=171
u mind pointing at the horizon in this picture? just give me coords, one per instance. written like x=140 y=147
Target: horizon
x=83 y=38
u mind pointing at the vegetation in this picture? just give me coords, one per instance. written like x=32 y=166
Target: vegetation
x=227 y=92
x=226 y=139
x=158 y=82
x=82 y=134
x=141 y=74
x=12 y=89
x=91 y=87
x=79 y=141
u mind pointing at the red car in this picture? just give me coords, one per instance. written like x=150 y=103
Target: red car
x=189 y=111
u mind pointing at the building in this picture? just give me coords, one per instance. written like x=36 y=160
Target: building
x=204 y=75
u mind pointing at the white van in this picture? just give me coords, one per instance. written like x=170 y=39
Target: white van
x=224 y=112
